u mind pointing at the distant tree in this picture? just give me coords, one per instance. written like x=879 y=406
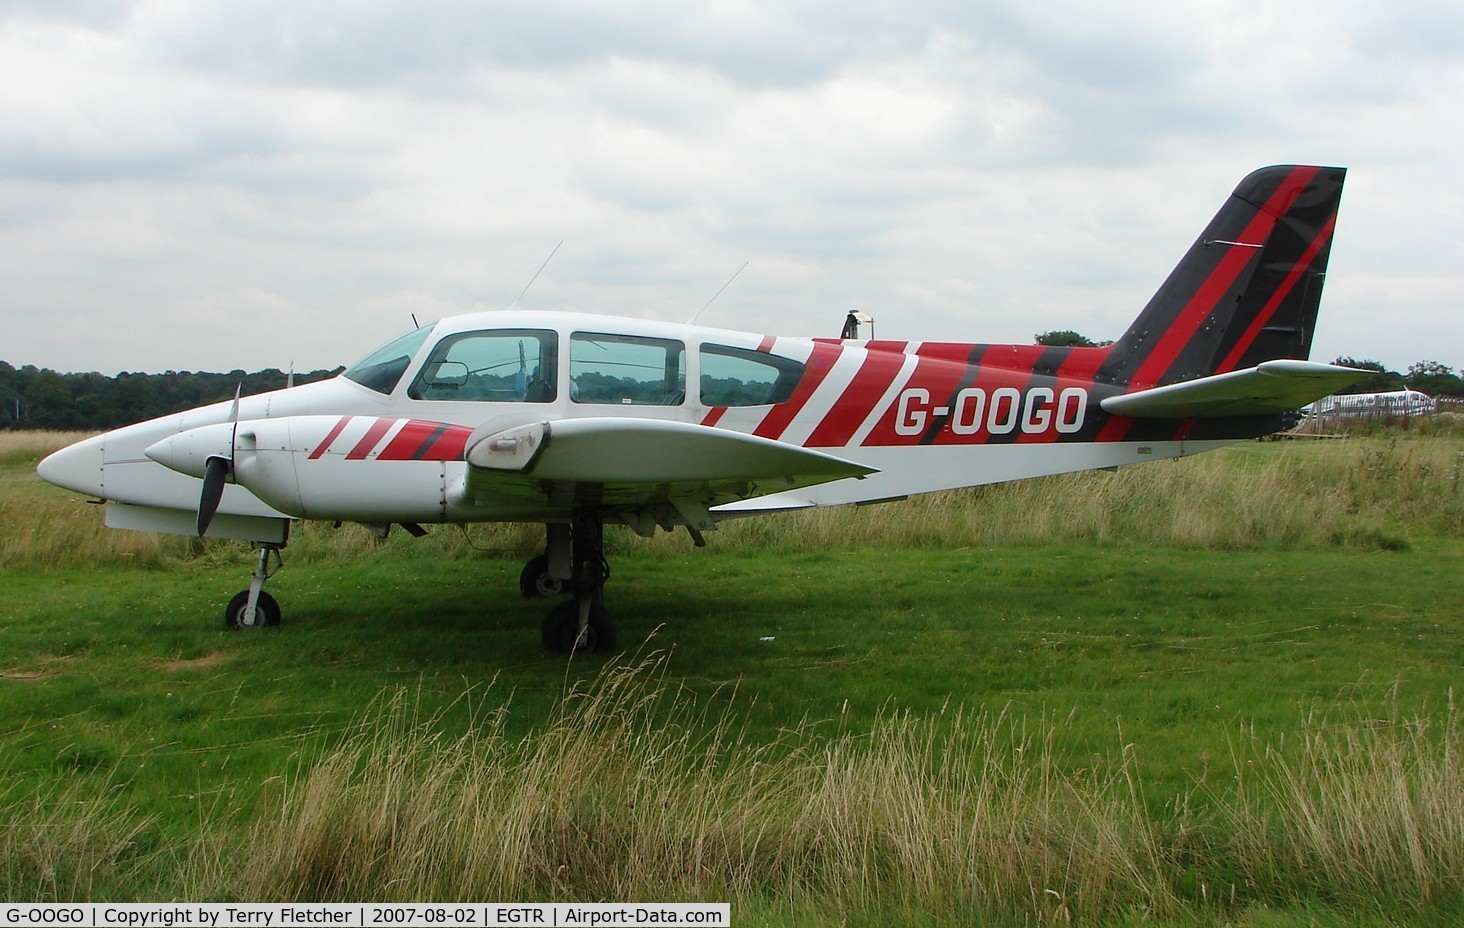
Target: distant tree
x=50 y=400
x=134 y=395
x=9 y=395
x=1381 y=381
x=1066 y=338
x=49 y=405
x=1434 y=378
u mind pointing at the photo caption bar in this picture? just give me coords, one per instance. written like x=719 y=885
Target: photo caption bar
x=365 y=915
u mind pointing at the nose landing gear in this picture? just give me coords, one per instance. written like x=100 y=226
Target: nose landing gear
x=254 y=608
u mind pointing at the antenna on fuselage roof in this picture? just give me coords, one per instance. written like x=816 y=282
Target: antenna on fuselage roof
x=697 y=314
x=852 y=322
x=515 y=303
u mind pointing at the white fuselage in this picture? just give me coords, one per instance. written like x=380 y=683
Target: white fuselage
x=920 y=415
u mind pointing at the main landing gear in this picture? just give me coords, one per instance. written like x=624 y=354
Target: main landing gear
x=573 y=561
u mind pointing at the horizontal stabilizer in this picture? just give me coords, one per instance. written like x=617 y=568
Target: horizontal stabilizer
x=1270 y=388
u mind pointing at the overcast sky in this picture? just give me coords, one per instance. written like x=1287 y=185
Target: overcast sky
x=209 y=186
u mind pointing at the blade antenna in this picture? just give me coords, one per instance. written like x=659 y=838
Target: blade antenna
x=515 y=303
x=698 y=313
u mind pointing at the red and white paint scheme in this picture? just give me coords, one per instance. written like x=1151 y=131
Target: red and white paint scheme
x=578 y=421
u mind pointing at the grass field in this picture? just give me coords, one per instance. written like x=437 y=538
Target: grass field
x=1207 y=692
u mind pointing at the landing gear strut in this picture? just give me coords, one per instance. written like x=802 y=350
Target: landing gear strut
x=582 y=623
x=254 y=608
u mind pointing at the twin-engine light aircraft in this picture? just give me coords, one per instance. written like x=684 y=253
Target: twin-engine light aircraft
x=579 y=421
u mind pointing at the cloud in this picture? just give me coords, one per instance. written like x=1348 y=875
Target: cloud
x=181 y=183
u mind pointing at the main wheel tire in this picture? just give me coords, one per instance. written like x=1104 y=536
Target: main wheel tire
x=560 y=626
x=266 y=610
x=535 y=581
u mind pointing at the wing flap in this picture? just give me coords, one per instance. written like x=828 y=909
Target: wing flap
x=1270 y=388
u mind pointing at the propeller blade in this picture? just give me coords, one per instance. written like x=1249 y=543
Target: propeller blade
x=213 y=492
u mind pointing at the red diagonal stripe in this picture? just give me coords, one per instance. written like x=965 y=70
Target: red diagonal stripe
x=411 y=440
x=330 y=436
x=1115 y=428
x=859 y=399
x=448 y=445
x=1082 y=363
x=372 y=436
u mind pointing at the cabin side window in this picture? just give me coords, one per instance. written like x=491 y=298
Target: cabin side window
x=625 y=370
x=739 y=377
x=496 y=366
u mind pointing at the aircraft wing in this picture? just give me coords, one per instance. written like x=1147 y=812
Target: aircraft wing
x=641 y=463
x=1271 y=387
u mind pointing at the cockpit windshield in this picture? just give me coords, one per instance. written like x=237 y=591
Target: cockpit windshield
x=383 y=368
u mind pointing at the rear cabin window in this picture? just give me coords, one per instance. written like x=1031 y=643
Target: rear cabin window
x=740 y=377
x=626 y=370
x=496 y=366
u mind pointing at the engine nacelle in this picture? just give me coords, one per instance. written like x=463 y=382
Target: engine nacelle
x=311 y=467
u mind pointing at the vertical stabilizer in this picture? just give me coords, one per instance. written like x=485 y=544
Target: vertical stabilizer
x=1248 y=289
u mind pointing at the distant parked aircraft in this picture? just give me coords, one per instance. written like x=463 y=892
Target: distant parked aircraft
x=1394 y=403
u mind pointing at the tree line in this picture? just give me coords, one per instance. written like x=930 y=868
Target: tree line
x=39 y=398
x=1431 y=377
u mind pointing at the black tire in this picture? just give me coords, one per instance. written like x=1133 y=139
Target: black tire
x=535 y=582
x=266 y=610
x=557 y=633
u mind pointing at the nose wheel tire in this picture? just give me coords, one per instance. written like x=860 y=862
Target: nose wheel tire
x=561 y=625
x=266 y=610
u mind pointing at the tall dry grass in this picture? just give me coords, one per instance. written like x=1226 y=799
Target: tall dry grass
x=630 y=792
x=28 y=447
x=1355 y=811
x=1365 y=493
x=43 y=526
x=77 y=841
x=1368 y=493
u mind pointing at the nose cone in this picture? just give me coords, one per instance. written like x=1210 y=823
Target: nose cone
x=76 y=467
x=188 y=452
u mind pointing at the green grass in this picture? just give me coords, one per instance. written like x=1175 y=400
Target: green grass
x=1209 y=708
